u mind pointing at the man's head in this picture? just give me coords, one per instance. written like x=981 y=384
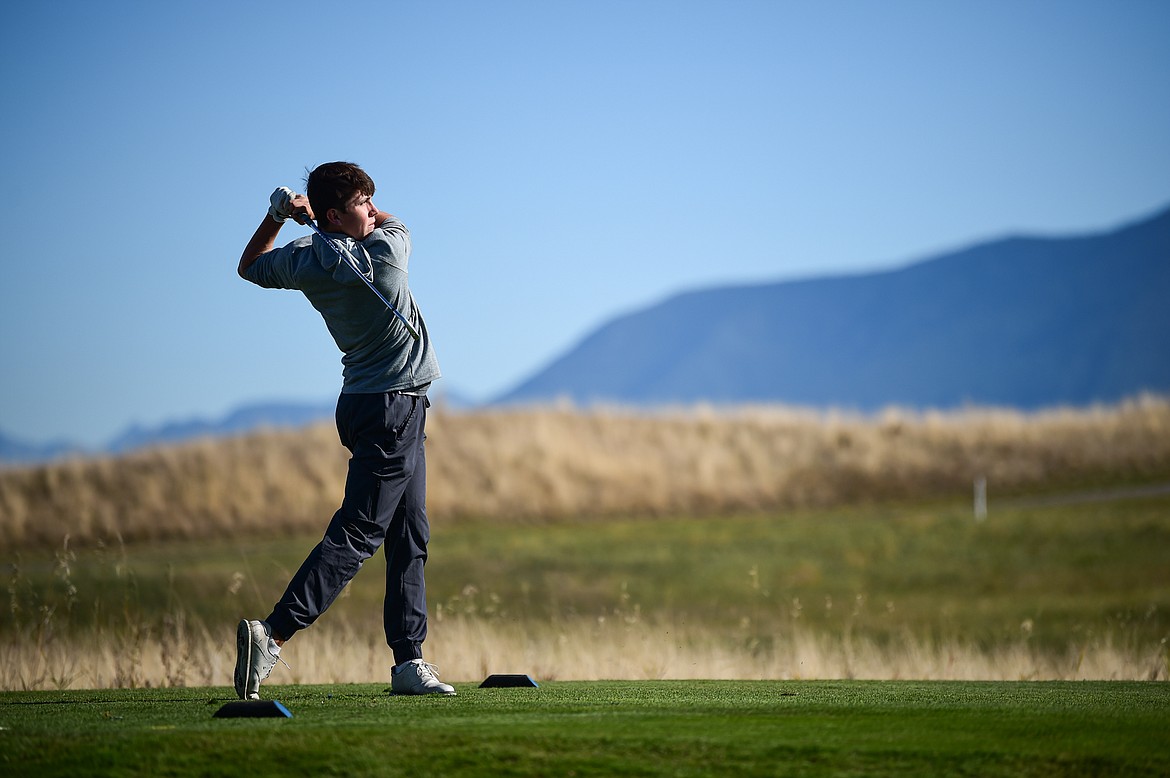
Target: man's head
x=339 y=194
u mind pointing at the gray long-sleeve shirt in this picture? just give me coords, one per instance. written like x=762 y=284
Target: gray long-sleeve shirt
x=378 y=354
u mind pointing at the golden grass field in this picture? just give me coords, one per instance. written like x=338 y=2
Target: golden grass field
x=540 y=463
x=760 y=542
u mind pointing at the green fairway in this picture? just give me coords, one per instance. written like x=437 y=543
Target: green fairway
x=603 y=728
x=1067 y=571
x=1040 y=592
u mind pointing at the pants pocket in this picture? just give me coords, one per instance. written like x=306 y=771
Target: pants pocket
x=400 y=410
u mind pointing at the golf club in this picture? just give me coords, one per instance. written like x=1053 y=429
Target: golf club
x=350 y=260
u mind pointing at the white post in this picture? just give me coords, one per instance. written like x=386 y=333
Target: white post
x=980 y=498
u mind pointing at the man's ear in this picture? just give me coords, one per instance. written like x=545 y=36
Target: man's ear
x=333 y=216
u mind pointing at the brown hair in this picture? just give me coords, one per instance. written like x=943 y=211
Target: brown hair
x=332 y=184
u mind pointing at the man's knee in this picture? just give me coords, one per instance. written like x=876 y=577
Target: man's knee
x=352 y=540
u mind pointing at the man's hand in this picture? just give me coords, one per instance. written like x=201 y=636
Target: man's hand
x=281 y=204
x=287 y=204
x=284 y=204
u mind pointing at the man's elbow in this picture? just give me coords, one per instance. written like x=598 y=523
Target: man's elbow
x=246 y=262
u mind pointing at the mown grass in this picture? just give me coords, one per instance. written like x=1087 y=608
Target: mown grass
x=576 y=728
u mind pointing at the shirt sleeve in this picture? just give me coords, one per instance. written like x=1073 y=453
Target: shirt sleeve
x=274 y=269
x=390 y=242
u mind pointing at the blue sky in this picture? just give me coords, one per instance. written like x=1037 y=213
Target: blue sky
x=558 y=163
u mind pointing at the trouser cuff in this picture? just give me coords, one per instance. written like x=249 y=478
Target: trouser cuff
x=282 y=628
x=405 y=652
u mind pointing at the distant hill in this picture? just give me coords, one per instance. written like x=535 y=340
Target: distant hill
x=1021 y=322
x=241 y=420
x=245 y=419
x=14 y=451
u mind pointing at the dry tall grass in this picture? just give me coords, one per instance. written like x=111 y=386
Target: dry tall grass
x=550 y=462
x=470 y=648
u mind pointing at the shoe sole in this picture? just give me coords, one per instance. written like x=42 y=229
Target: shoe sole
x=243 y=657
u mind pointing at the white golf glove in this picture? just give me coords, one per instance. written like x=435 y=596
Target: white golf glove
x=281 y=208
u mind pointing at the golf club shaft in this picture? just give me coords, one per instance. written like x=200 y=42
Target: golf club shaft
x=349 y=260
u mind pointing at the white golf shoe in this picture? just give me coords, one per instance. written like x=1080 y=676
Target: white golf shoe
x=256 y=655
x=418 y=677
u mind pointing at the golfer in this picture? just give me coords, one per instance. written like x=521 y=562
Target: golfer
x=381 y=415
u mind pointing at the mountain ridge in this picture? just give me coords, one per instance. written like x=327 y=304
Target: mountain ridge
x=1020 y=320
x=975 y=305
x=241 y=419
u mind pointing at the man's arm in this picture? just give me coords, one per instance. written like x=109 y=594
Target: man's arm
x=262 y=241
x=381 y=217
x=265 y=236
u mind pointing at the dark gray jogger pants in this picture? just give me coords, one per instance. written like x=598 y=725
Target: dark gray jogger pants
x=384 y=505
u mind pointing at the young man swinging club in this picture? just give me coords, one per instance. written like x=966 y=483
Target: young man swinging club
x=381 y=415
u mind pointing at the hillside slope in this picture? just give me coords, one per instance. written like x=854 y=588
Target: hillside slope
x=1022 y=322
